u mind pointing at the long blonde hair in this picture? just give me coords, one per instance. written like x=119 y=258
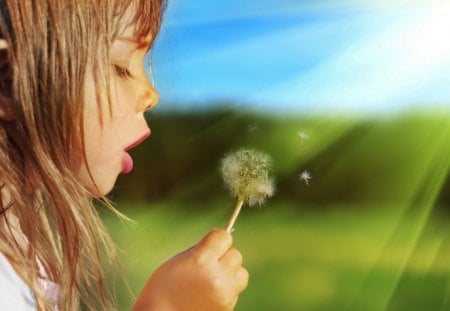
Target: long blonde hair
x=52 y=46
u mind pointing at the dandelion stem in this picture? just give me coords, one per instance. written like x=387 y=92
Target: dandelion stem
x=235 y=214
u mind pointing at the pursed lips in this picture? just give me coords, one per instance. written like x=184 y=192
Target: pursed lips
x=138 y=141
x=127 y=160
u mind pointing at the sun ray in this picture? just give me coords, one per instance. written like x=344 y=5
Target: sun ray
x=416 y=205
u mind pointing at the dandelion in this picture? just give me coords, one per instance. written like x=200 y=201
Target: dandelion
x=303 y=136
x=305 y=176
x=246 y=174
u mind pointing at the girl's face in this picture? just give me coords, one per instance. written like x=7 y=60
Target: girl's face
x=108 y=138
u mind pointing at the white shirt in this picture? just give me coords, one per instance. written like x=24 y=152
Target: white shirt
x=15 y=295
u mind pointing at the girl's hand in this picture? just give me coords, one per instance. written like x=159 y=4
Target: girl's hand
x=207 y=277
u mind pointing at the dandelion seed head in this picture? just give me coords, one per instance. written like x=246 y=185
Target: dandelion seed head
x=261 y=190
x=305 y=176
x=246 y=174
x=303 y=135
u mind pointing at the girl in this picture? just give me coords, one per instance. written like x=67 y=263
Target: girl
x=73 y=91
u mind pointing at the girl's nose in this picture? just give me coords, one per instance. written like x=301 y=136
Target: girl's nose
x=148 y=97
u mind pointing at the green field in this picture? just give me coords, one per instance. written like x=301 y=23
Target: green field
x=344 y=258
x=370 y=232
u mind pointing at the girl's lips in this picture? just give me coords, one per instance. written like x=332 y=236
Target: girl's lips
x=138 y=141
x=127 y=163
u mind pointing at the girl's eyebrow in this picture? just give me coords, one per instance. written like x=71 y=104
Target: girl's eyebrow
x=141 y=44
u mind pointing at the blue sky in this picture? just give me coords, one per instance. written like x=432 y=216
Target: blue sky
x=286 y=55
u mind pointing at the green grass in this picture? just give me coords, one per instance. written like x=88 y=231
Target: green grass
x=366 y=235
x=339 y=258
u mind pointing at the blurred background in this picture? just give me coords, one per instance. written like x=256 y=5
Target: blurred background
x=353 y=92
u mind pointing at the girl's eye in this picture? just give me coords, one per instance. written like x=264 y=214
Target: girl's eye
x=123 y=72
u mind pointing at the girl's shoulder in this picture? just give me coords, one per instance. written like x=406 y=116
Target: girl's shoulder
x=14 y=293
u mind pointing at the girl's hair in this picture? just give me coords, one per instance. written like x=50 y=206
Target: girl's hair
x=47 y=214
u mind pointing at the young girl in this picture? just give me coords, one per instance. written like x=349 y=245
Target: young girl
x=73 y=91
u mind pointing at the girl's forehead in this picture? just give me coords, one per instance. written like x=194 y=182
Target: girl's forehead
x=140 y=18
x=129 y=29
x=131 y=35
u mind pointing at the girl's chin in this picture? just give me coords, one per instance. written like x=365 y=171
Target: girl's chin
x=102 y=183
x=102 y=187
x=100 y=192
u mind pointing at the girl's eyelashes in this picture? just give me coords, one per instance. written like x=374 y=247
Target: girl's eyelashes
x=123 y=72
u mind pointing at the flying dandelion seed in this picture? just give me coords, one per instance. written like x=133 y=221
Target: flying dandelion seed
x=303 y=136
x=252 y=127
x=305 y=176
x=246 y=174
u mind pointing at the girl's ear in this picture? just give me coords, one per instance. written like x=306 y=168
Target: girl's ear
x=5 y=114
